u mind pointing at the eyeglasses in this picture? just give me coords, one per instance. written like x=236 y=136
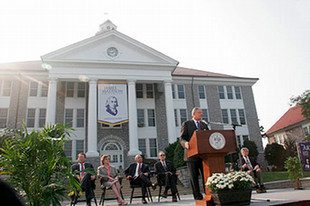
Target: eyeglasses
x=162 y=155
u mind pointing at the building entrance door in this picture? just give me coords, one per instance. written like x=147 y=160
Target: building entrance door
x=115 y=150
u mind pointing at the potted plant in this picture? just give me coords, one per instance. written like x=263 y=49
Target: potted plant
x=232 y=188
x=294 y=169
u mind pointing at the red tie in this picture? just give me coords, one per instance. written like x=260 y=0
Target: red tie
x=82 y=167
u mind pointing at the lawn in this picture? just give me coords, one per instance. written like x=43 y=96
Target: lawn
x=275 y=176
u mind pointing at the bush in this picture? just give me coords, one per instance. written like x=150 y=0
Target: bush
x=178 y=159
x=294 y=168
x=290 y=147
x=37 y=166
x=169 y=150
x=275 y=154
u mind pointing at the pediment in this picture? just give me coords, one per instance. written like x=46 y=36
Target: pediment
x=110 y=47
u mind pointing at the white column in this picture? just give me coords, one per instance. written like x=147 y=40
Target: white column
x=170 y=112
x=51 y=102
x=132 y=112
x=92 y=119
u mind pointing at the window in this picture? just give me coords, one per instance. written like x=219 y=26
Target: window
x=201 y=92
x=183 y=115
x=142 y=146
x=149 y=91
x=68 y=149
x=173 y=91
x=42 y=116
x=241 y=116
x=239 y=141
x=69 y=117
x=151 y=117
x=221 y=92
x=229 y=92
x=238 y=93
x=31 y=117
x=306 y=130
x=81 y=89
x=33 y=89
x=153 y=148
x=205 y=115
x=225 y=116
x=140 y=116
x=80 y=118
x=3 y=117
x=70 y=89
x=139 y=90
x=44 y=89
x=79 y=146
x=6 y=88
x=181 y=92
x=233 y=116
x=176 y=117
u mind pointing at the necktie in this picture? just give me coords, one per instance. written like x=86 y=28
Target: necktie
x=139 y=169
x=198 y=125
x=82 y=168
x=165 y=166
x=248 y=163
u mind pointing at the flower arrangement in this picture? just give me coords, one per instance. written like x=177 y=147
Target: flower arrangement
x=231 y=181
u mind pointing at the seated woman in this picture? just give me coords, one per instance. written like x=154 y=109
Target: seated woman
x=109 y=176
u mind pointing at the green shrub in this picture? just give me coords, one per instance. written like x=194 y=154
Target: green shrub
x=169 y=150
x=294 y=168
x=252 y=148
x=178 y=159
x=275 y=155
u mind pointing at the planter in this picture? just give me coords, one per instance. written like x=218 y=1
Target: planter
x=232 y=197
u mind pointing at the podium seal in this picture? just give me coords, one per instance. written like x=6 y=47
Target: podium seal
x=217 y=141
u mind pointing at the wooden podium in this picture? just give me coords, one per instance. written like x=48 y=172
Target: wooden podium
x=211 y=146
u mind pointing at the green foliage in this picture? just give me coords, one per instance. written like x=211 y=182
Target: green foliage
x=252 y=148
x=169 y=150
x=304 y=101
x=178 y=159
x=294 y=168
x=36 y=164
x=290 y=147
x=275 y=155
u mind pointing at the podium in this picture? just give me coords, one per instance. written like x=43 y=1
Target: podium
x=211 y=146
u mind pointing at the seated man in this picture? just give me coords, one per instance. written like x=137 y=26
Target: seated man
x=166 y=175
x=139 y=174
x=86 y=180
x=249 y=165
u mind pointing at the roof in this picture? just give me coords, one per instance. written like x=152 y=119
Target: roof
x=291 y=117
x=181 y=71
x=37 y=65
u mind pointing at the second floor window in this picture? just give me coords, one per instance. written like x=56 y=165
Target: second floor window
x=33 y=89
x=230 y=94
x=80 y=118
x=183 y=115
x=69 y=117
x=3 y=117
x=140 y=116
x=241 y=116
x=205 y=115
x=233 y=116
x=201 y=92
x=151 y=117
x=238 y=93
x=69 y=89
x=142 y=145
x=225 y=116
x=181 y=91
x=81 y=89
x=31 y=114
x=149 y=91
x=221 y=92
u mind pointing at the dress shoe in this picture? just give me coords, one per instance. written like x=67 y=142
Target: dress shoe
x=199 y=198
x=164 y=195
x=144 y=201
x=263 y=189
x=259 y=191
x=174 y=199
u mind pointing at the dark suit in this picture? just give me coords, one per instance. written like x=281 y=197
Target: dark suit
x=142 y=180
x=257 y=175
x=194 y=164
x=169 y=180
x=87 y=184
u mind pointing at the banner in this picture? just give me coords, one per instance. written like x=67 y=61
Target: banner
x=112 y=103
x=304 y=149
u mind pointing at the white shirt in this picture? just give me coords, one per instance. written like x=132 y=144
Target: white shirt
x=196 y=123
x=247 y=160
x=137 y=169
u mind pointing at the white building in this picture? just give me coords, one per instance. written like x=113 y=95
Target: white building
x=62 y=88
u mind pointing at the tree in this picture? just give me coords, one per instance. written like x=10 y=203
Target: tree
x=290 y=147
x=294 y=168
x=169 y=150
x=36 y=164
x=275 y=155
x=304 y=101
x=252 y=148
x=178 y=160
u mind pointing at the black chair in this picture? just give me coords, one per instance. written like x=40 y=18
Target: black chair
x=148 y=193
x=161 y=183
x=104 y=190
x=75 y=198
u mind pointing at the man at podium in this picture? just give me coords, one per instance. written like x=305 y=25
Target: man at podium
x=194 y=164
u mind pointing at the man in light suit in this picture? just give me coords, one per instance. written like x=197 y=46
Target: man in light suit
x=194 y=164
x=249 y=165
x=139 y=174
x=166 y=175
x=86 y=180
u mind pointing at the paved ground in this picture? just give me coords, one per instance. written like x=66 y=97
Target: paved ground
x=272 y=197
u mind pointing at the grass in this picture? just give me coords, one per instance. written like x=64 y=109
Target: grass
x=276 y=176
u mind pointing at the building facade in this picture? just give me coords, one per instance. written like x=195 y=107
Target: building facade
x=291 y=125
x=63 y=86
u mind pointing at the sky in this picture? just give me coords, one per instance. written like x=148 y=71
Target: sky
x=265 y=39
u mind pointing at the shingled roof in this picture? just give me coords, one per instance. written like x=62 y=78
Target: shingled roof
x=181 y=71
x=291 y=117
